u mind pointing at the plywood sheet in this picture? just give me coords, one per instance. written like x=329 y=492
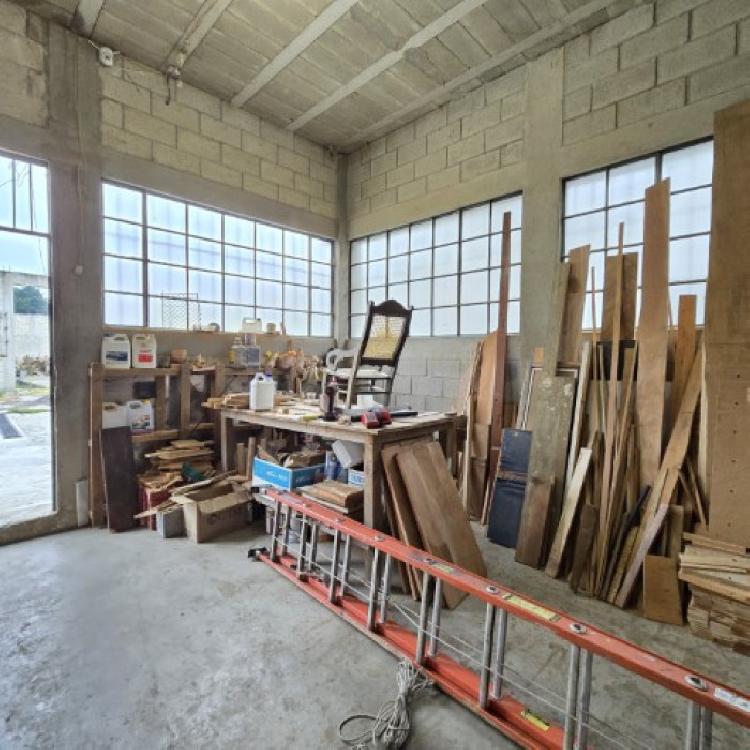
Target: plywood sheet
x=575 y=296
x=629 y=290
x=532 y=532
x=120 y=484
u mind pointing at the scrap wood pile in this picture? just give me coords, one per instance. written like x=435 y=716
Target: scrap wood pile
x=171 y=458
x=424 y=510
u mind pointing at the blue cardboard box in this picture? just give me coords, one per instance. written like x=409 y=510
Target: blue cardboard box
x=287 y=479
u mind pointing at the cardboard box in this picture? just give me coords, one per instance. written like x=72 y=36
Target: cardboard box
x=286 y=479
x=356 y=478
x=213 y=511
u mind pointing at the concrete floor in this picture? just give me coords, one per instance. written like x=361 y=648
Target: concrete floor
x=131 y=641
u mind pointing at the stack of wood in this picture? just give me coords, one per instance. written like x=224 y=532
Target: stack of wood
x=718 y=577
x=228 y=401
x=424 y=510
x=171 y=458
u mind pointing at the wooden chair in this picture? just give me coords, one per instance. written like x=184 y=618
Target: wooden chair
x=375 y=362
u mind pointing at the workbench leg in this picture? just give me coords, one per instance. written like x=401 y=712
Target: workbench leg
x=447 y=436
x=228 y=440
x=374 y=511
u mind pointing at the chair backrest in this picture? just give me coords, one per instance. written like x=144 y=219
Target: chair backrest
x=385 y=333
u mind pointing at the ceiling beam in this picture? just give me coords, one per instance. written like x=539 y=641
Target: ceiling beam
x=442 y=92
x=203 y=21
x=294 y=49
x=85 y=16
x=423 y=36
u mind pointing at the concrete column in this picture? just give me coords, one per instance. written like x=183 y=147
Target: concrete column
x=542 y=198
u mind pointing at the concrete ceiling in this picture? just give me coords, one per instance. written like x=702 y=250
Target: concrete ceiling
x=340 y=72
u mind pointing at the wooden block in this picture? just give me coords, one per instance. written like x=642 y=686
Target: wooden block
x=661 y=590
x=534 y=517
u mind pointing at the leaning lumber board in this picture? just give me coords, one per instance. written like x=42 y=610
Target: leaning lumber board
x=684 y=351
x=661 y=590
x=582 y=392
x=534 y=517
x=118 y=472
x=554 y=332
x=570 y=507
x=652 y=330
x=583 y=543
x=629 y=290
x=575 y=296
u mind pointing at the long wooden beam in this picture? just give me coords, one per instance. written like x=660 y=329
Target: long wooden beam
x=85 y=16
x=203 y=21
x=294 y=49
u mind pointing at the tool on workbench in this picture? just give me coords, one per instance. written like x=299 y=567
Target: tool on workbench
x=376 y=416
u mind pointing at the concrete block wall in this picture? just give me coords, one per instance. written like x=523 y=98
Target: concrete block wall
x=655 y=58
x=201 y=135
x=450 y=148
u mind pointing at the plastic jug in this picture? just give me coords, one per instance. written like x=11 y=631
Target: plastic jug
x=116 y=351
x=262 y=392
x=144 y=350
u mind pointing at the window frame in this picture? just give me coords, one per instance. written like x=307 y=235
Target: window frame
x=187 y=267
x=658 y=157
x=489 y=268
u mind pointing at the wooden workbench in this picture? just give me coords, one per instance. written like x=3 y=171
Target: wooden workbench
x=444 y=425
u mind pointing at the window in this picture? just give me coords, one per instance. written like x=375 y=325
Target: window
x=172 y=264
x=597 y=202
x=447 y=268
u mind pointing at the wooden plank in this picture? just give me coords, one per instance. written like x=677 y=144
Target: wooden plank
x=252 y=450
x=96 y=482
x=583 y=543
x=471 y=410
x=629 y=291
x=120 y=484
x=185 y=390
x=573 y=495
x=623 y=560
x=684 y=352
x=486 y=379
x=575 y=297
x=582 y=391
x=699 y=540
x=534 y=518
x=652 y=331
x=554 y=324
x=661 y=590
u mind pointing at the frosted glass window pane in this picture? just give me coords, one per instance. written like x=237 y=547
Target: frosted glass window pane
x=420 y=264
x=122 y=239
x=239 y=290
x=377 y=295
x=359 y=276
x=513 y=324
x=357 y=325
x=296 y=323
x=688 y=258
x=6 y=192
x=268 y=238
x=320 y=250
x=166 y=247
x=295 y=297
x=165 y=214
x=208 y=313
x=419 y=293
x=23 y=195
x=420 y=323
x=320 y=300
x=320 y=275
x=123 y=310
x=496 y=248
x=238 y=260
x=376 y=273
x=689 y=167
x=268 y=293
x=269 y=315
x=123 y=275
x=320 y=325
x=445 y=321
x=39 y=199
x=398 y=268
x=514 y=283
x=445 y=290
x=474 y=287
x=359 y=251
x=377 y=246
x=690 y=213
x=475 y=221
x=596 y=267
x=632 y=217
x=446 y=260
x=206 y=286
x=494 y=286
x=238 y=231
x=473 y=320
x=585 y=230
x=204 y=223
x=629 y=182
x=233 y=317
x=399 y=292
x=295 y=271
x=474 y=254
x=267 y=266
x=166 y=279
x=399 y=241
x=296 y=244
x=585 y=193
x=446 y=229
x=514 y=205
x=204 y=254
x=359 y=302
x=421 y=235
x=119 y=202
x=699 y=290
